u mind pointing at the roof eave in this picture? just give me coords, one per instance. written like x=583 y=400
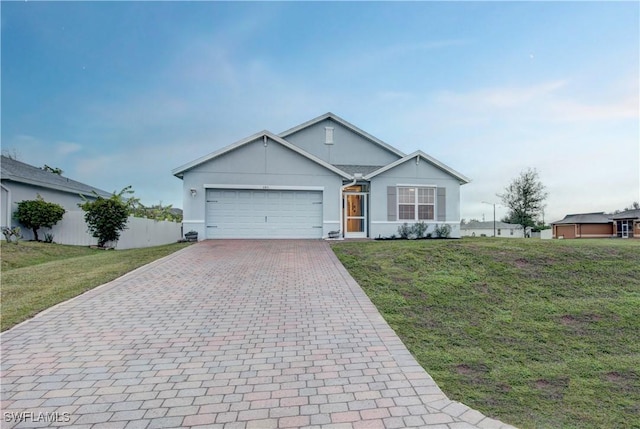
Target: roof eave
x=57 y=187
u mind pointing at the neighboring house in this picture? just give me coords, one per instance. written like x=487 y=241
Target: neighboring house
x=502 y=229
x=626 y=224
x=322 y=176
x=22 y=182
x=584 y=225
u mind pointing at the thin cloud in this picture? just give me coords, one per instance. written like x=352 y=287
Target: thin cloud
x=66 y=148
x=543 y=101
x=364 y=60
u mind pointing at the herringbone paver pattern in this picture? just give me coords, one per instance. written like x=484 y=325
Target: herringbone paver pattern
x=223 y=334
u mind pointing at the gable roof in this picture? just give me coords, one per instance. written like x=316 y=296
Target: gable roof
x=598 y=217
x=179 y=172
x=489 y=225
x=16 y=171
x=345 y=124
x=419 y=154
x=627 y=214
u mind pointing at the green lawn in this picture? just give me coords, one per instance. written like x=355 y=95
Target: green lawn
x=36 y=276
x=535 y=333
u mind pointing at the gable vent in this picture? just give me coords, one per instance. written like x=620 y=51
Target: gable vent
x=328 y=135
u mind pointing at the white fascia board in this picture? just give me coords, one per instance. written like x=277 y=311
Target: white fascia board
x=463 y=179
x=346 y=124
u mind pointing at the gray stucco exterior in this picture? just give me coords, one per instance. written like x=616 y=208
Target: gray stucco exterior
x=326 y=154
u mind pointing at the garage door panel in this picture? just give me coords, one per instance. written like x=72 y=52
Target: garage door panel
x=263 y=214
x=566 y=231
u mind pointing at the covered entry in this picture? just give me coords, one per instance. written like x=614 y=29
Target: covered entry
x=263 y=213
x=355 y=203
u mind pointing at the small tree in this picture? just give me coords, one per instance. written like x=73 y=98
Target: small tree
x=524 y=197
x=35 y=214
x=107 y=217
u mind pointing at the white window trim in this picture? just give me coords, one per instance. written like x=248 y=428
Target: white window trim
x=416 y=204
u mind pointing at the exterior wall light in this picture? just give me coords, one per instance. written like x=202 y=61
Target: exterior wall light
x=194 y=192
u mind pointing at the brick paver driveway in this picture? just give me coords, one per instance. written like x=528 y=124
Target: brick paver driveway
x=223 y=334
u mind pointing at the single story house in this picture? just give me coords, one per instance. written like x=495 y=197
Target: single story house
x=502 y=229
x=584 y=225
x=20 y=182
x=626 y=224
x=323 y=178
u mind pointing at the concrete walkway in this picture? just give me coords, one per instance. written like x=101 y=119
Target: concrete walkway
x=223 y=334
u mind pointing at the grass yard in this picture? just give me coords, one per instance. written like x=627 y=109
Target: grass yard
x=536 y=333
x=36 y=276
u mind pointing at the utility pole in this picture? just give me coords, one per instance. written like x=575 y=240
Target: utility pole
x=494 y=216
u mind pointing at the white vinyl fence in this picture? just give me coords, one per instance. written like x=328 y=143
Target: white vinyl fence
x=140 y=232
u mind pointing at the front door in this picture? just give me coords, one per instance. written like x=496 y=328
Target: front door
x=624 y=228
x=355 y=214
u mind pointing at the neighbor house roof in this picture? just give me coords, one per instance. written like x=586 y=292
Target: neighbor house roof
x=178 y=172
x=489 y=225
x=344 y=123
x=420 y=155
x=627 y=214
x=598 y=217
x=16 y=171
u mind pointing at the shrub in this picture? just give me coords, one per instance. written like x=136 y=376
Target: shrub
x=404 y=230
x=35 y=214
x=417 y=230
x=107 y=217
x=12 y=234
x=420 y=229
x=155 y=212
x=443 y=231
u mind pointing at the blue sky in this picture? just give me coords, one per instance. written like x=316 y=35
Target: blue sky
x=120 y=93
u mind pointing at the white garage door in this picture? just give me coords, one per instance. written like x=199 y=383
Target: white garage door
x=247 y=213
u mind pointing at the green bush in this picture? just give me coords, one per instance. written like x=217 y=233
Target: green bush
x=417 y=230
x=420 y=229
x=35 y=214
x=404 y=230
x=443 y=231
x=12 y=234
x=107 y=217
